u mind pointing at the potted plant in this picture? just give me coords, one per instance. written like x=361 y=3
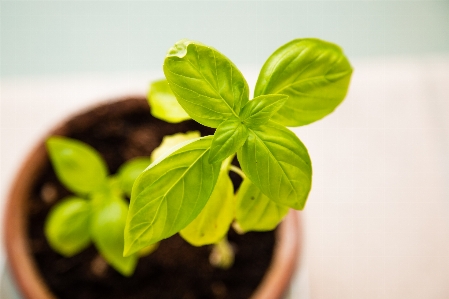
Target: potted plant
x=187 y=188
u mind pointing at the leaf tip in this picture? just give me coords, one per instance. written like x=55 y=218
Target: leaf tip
x=127 y=273
x=300 y=205
x=133 y=246
x=128 y=245
x=126 y=267
x=53 y=141
x=128 y=250
x=179 y=49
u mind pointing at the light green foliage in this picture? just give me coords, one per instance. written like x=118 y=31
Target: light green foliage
x=214 y=221
x=277 y=162
x=129 y=171
x=256 y=212
x=313 y=73
x=163 y=103
x=169 y=143
x=107 y=230
x=259 y=110
x=78 y=166
x=74 y=222
x=113 y=187
x=301 y=82
x=228 y=138
x=168 y=195
x=183 y=190
x=67 y=224
x=205 y=82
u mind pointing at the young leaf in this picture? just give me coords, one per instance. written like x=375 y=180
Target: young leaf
x=314 y=74
x=169 y=194
x=164 y=104
x=107 y=229
x=205 y=82
x=256 y=212
x=129 y=172
x=67 y=226
x=101 y=198
x=113 y=186
x=78 y=166
x=169 y=142
x=260 y=109
x=214 y=221
x=277 y=162
x=228 y=138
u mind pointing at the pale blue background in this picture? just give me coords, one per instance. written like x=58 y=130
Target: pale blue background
x=67 y=37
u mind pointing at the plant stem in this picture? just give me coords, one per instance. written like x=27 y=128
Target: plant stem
x=237 y=170
x=222 y=255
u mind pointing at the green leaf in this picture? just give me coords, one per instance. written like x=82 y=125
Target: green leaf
x=228 y=138
x=277 y=162
x=255 y=211
x=107 y=229
x=113 y=186
x=260 y=109
x=205 y=82
x=170 y=194
x=129 y=172
x=214 y=221
x=164 y=104
x=67 y=226
x=78 y=166
x=171 y=141
x=315 y=75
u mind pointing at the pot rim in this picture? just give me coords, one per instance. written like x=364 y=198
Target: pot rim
x=25 y=272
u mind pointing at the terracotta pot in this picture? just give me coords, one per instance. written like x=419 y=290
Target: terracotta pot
x=22 y=264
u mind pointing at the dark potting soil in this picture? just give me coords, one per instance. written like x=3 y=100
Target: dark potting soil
x=176 y=269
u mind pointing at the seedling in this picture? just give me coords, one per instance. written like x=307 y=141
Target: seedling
x=98 y=211
x=188 y=190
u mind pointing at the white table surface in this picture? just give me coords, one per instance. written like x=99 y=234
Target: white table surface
x=377 y=220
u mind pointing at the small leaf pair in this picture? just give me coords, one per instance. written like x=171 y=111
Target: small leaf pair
x=98 y=211
x=232 y=133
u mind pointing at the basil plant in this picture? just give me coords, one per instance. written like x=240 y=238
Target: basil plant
x=97 y=211
x=187 y=190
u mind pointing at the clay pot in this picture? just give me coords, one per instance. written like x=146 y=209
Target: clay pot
x=23 y=267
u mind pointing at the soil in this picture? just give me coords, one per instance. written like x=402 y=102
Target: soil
x=176 y=270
